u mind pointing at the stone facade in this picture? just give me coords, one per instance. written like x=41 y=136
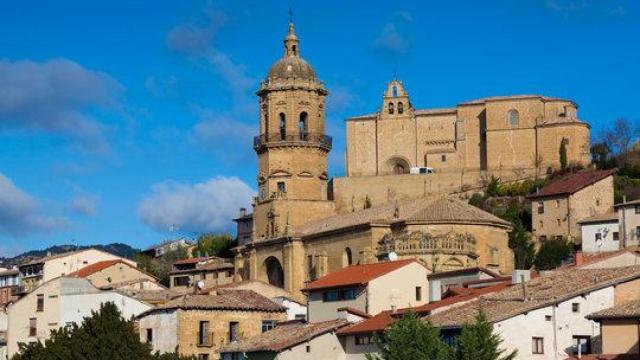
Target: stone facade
x=490 y=134
x=558 y=215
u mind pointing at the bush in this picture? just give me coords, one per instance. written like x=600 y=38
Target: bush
x=476 y=200
x=552 y=253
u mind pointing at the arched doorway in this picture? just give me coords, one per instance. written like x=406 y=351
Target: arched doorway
x=398 y=166
x=274 y=272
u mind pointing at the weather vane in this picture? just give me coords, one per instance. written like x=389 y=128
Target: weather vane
x=290 y=15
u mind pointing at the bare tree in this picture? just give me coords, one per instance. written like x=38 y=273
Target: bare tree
x=619 y=138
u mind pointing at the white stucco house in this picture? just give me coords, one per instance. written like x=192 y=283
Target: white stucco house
x=58 y=303
x=600 y=233
x=545 y=318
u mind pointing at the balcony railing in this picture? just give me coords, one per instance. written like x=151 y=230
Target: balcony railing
x=280 y=139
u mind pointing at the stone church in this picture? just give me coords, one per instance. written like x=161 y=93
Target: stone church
x=304 y=226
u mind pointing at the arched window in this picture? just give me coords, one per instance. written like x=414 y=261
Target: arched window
x=302 y=126
x=513 y=118
x=400 y=108
x=294 y=49
x=395 y=90
x=283 y=127
x=390 y=108
x=347 y=258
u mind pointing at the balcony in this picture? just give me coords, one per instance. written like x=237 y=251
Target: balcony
x=263 y=141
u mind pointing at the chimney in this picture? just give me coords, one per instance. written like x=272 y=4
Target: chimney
x=435 y=291
x=243 y=212
x=624 y=199
x=520 y=276
x=579 y=258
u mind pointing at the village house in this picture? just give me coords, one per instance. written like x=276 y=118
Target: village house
x=58 y=303
x=117 y=274
x=200 y=325
x=441 y=282
x=557 y=208
x=600 y=233
x=357 y=338
x=545 y=318
x=212 y=271
x=292 y=340
x=629 y=220
x=158 y=250
x=619 y=329
x=38 y=271
x=3 y=332
x=9 y=283
x=368 y=288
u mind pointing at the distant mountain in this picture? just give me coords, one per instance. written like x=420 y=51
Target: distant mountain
x=117 y=249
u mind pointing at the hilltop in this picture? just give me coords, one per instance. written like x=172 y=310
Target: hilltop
x=118 y=249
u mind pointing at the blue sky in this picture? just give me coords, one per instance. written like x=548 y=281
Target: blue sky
x=120 y=121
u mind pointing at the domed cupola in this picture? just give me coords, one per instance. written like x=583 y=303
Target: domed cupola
x=291 y=65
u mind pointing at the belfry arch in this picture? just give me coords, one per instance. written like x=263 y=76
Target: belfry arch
x=272 y=272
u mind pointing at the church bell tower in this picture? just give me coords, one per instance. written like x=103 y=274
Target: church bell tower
x=292 y=146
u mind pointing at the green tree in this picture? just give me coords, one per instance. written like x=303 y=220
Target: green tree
x=215 y=245
x=563 y=153
x=493 y=188
x=478 y=342
x=105 y=335
x=411 y=338
x=552 y=253
x=520 y=242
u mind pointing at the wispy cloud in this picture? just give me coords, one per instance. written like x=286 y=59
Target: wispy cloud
x=57 y=96
x=571 y=7
x=195 y=39
x=393 y=40
x=200 y=207
x=83 y=202
x=20 y=213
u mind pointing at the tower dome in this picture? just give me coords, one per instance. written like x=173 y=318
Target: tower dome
x=291 y=65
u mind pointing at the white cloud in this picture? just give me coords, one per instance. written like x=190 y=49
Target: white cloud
x=57 y=96
x=200 y=207
x=390 y=40
x=20 y=213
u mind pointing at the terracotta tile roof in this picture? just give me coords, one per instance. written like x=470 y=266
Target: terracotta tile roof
x=630 y=310
x=426 y=210
x=572 y=183
x=513 y=97
x=605 y=357
x=540 y=292
x=594 y=258
x=194 y=260
x=382 y=320
x=357 y=312
x=244 y=300
x=94 y=268
x=150 y=296
x=471 y=270
x=357 y=274
x=284 y=336
x=608 y=217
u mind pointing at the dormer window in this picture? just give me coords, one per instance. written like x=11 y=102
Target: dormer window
x=513 y=118
x=400 y=108
x=390 y=108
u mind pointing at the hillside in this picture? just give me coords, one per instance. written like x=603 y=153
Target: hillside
x=118 y=249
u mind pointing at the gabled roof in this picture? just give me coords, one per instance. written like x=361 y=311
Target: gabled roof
x=381 y=321
x=629 y=310
x=600 y=218
x=99 y=266
x=241 y=300
x=358 y=275
x=426 y=210
x=540 y=292
x=572 y=183
x=284 y=336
